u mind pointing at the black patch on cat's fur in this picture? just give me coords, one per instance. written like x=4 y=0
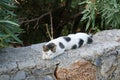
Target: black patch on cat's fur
x=51 y=45
x=74 y=46
x=80 y=42
x=67 y=39
x=89 y=40
x=61 y=45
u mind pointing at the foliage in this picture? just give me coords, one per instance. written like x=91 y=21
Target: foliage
x=111 y=13
x=107 y=10
x=9 y=27
x=34 y=15
x=60 y=17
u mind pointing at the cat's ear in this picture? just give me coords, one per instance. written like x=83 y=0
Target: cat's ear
x=45 y=48
x=52 y=47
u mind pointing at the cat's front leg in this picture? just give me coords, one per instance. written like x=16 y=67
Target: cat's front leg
x=51 y=56
x=44 y=56
x=48 y=56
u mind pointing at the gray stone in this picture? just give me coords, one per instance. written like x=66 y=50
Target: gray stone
x=16 y=57
x=4 y=77
x=43 y=71
x=48 y=77
x=7 y=67
x=35 y=78
x=19 y=75
x=38 y=72
x=37 y=47
x=39 y=62
x=107 y=35
x=39 y=78
x=3 y=69
x=104 y=52
x=11 y=66
x=30 y=78
x=98 y=62
x=26 y=64
x=107 y=65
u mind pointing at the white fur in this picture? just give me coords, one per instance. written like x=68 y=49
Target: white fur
x=68 y=45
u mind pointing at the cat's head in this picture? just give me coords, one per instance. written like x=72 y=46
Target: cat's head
x=49 y=51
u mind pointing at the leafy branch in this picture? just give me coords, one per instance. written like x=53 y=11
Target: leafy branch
x=9 y=27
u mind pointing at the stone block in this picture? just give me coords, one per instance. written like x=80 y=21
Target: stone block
x=26 y=64
x=4 y=77
x=20 y=75
x=80 y=70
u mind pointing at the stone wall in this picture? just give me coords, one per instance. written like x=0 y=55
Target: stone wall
x=97 y=61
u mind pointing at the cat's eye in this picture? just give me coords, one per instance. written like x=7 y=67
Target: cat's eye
x=53 y=49
x=45 y=48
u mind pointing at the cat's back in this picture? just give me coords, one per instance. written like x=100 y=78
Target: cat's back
x=58 y=40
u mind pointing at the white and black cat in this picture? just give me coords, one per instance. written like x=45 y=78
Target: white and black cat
x=57 y=46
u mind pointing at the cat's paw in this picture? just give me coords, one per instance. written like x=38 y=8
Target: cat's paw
x=43 y=57
x=48 y=56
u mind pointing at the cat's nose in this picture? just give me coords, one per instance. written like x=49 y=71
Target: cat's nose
x=45 y=53
x=49 y=54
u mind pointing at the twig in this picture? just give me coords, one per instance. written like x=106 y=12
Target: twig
x=51 y=25
x=38 y=18
x=76 y=15
x=48 y=31
x=36 y=24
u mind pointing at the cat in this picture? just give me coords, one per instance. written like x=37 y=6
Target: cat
x=57 y=46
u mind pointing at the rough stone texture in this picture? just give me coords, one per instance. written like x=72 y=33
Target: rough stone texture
x=4 y=77
x=26 y=64
x=19 y=75
x=80 y=70
x=97 y=61
x=107 y=35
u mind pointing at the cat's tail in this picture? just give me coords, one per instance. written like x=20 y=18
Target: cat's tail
x=90 y=39
x=90 y=35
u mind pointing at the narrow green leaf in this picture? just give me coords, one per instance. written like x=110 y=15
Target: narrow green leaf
x=85 y=11
x=88 y=25
x=11 y=13
x=9 y=22
x=81 y=3
x=13 y=35
x=108 y=21
x=17 y=39
x=2 y=35
x=85 y=16
x=6 y=5
x=109 y=15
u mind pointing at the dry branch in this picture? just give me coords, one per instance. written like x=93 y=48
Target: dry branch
x=51 y=25
x=38 y=18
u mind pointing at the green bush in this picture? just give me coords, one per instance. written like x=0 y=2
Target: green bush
x=9 y=27
x=108 y=12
